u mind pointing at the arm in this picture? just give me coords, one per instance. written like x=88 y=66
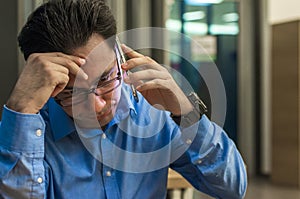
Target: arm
x=212 y=163
x=44 y=76
x=22 y=128
x=21 y=155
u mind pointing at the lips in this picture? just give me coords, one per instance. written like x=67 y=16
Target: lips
x=91 y=115
x=104 y=113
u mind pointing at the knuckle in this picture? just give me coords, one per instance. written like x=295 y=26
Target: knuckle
x=164 y=69
x=32 y=56
x=35 y=57
x=49 y=73
x=156 y=81
x=132 y=77
x=131 y=62
x=65 y=70
x=149 y=59
x=66 y=79
x=59 y=54
x=151 y=73
x=63 y=80
x=47 y=66
x=69 y=62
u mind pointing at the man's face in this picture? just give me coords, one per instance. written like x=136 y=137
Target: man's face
x=99 y=106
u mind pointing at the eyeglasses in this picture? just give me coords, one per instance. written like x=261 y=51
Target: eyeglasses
x=73 y=96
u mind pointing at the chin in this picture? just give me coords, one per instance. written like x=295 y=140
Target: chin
x=104 y=120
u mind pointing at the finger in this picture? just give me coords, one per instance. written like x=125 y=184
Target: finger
x=138 y=83
x=59 y=78
x=75 y=68
x=72 y=64
x=57 y=67
x=142 y=63
x=129 y=52
x=153 y=84
x=62 y=81
x=78 y=60
x=146 y=75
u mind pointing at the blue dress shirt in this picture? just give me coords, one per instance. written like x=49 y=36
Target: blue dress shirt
x=46 y=155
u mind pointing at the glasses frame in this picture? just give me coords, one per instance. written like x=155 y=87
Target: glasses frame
x=86 y=92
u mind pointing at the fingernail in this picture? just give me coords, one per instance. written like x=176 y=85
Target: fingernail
x=125 y=48
x=125 y=65
x=84 y=75
x=82 y=61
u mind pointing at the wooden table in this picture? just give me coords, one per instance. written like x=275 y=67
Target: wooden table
x=176 y=181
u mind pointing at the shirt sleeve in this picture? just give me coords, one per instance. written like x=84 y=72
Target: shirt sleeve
x=212 y=163
x=21 y=155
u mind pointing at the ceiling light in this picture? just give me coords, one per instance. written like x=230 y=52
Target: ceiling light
x=192 y=16
x=230 y=17
x=228 y=29
x=202 y=2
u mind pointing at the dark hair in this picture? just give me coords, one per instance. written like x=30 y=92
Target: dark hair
x=64 y=25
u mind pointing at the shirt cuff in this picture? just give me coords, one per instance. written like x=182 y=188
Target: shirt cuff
x=21 y=132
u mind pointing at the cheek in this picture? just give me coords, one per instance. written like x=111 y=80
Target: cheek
x=117 y=94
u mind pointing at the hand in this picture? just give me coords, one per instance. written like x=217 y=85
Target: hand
x=155 y=83
x=44 y=76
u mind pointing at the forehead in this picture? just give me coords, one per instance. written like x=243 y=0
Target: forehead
x=99 y=56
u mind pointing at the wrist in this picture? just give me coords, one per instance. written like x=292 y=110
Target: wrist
x=192 y=116
x=20 y=106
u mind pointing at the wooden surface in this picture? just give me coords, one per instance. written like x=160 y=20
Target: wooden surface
x=176 y=181
x=285 y=103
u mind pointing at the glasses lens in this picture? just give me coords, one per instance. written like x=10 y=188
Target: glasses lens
x=108 y=86
x=73 y=99
x=80 y=95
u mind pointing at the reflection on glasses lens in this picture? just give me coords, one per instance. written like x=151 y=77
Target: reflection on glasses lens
x=76 y=96
x=81 y=96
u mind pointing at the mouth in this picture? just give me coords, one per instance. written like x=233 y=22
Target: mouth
x=92 y=114
x=104 y=113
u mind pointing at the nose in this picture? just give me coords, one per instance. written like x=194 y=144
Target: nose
x=99 y=103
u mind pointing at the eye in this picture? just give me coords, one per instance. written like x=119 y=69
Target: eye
x=105 y=78
x=66 y=93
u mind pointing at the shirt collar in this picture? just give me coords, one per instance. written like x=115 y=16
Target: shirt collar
x=62 y=125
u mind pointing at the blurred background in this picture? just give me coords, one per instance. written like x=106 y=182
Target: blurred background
x=255 y=45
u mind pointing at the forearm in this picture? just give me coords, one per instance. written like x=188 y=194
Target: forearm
x=212 y=163
x=21 y=155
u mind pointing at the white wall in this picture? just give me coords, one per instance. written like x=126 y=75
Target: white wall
x=283 y=10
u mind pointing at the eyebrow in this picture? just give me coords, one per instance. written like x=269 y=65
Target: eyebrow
x=105 y=73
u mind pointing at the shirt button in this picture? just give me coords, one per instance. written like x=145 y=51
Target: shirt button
x=38 y=133
x=199 y=161
x=103 y=136
x=188 y=141
x=40 y=180
x=108 y=173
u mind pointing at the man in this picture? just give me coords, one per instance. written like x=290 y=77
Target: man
x=71 y=128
